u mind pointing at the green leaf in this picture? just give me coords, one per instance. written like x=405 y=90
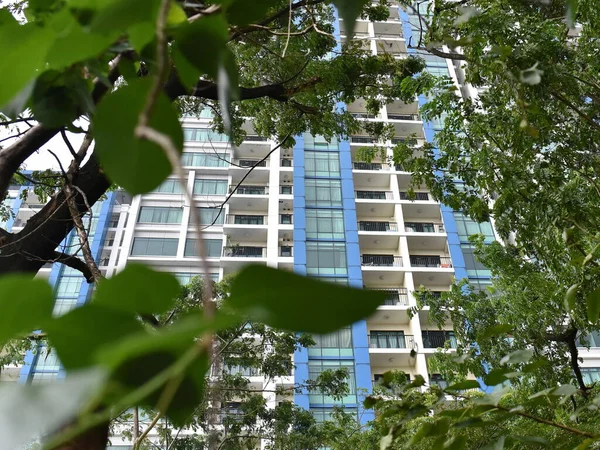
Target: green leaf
x=349 y=11
x=571 y=297
x=23 y=49
x=138 y=289
x=584 y=445
x=30 y=411
x=592 y=301
x=282 y=299
x=495 y=377
x=518 y=356
x=471 y=422
x=120 y=14
x=571 y=12
x=386 y=441
x=370 y=401
x=211 y=31
x=463 y=385
x=456 y=443
x=176 y=15
x=497 y=445
x=80 y=334
x=564 y=390
x=243 y=12
x=496 y=330
x=428 y=429
x=26 y=304
x=137 y=165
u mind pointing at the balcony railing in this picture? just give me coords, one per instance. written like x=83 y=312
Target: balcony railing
x=431 y=261
x=250 y=190
x=362 y=140
x=402 y=140
x=255 y=138
x=390 y=339
x=423 y=227
x=286 y=251
x=363 y=115
x=438 y=339
x=244 y=251
x=395 y=297
x=423 y=196
x=250 y=163
x=378 y=226
x=381 y=260
x=368 y=166
x=245 y=219
x=374 y=195
x=403 y=117
x=388 y=35
x=437 y=380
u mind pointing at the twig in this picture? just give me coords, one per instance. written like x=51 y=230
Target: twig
x=287 y=41
x=68 y=144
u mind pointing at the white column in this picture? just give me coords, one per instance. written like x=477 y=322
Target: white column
x=129 y=231
x=273 y=209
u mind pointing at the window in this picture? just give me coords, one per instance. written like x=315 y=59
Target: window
x=322 y=164
x=286 y=190
x=320 y=143
x=185 y=278
x=323 y=192
x=326 y=414
x=467 y=227
x=590 y=375
x=212 y=248
x=43 y=377
x=203 y=135
x=69 y=287
x=589 y=340
x=285 y=219
x=387 y=339
x=154 y=247
x=338 y=343
x=316 y=367
x=205 y=159
x=474 y=267
x=169 y=187
x=46 y=360
x=159 y=214
x=210 y=216
x=326 y=258
x=210 y=187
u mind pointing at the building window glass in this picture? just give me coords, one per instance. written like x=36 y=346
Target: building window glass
x=203 y=135
x=322 y=164
x=323 y=192
x=320 y=143
x=205 y=159
x=154 y=247
x=159 y=214
x=467 y=227
x=211 y=216
x=169 y=187
x=338 y=343
x=326 y=258
x=316 y=367
x=590 y=375
x=69 y=286
x=185 y=278
x=324 y=224
x=210 y=187
x=474 y=268
x=213 y=248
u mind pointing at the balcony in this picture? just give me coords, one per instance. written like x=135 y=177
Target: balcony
x=285 y=190
x=255 y=138
x=438 y=339
x=394 y=297
x=403 y=117
x=249 y=163
x=402 y=140
x=391 y=339
x=444 y=262
x=363 y=115
x=381 y=227
x=369 y=166
x=418 y=196
x=286 y=219
x=286 y=162
x=244 y=251
x=381 y=260
x=374 y=195
x=286 y=251
x=250 y=190
x=245 y=219
x=362 y=140
x=423 y=227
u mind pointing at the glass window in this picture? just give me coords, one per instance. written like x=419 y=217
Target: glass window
x=205 y=159
x=69 y=286
x=212 y=247
x=320 y=143
x=474 y=267
x=154 y=247
x=316 y=367
x=160 y=214
x=322 y=164
x=169 y=187
x=185 y=278
x=210 y=187
x=209 y=216
x=591 y=375
x=326 y=258
x=338 y=344
x=467 y=227
x=43 y=377
x=324 y=224
x=323 y=192
x=46 y=360
x=203 y=135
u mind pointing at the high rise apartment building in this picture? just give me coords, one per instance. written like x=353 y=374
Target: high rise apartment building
x=314 y=209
